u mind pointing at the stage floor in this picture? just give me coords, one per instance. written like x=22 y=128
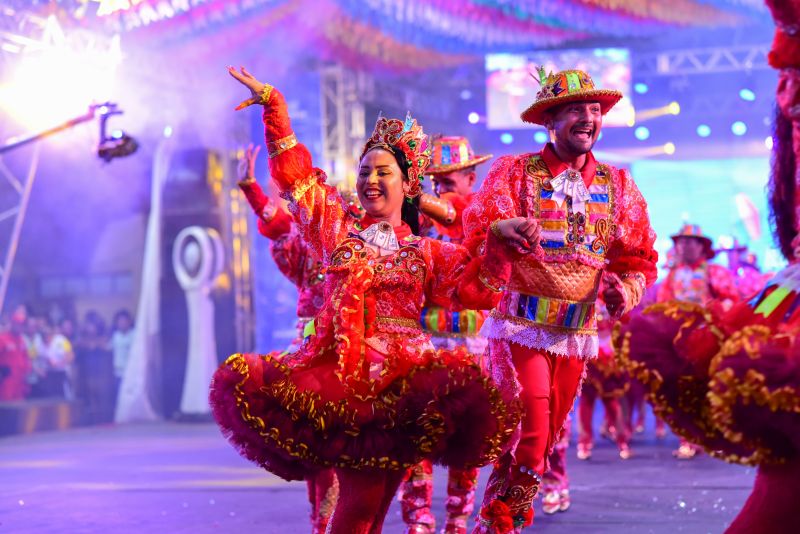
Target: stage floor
x=172 y=478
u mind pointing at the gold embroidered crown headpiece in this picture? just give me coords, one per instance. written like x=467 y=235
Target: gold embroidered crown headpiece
x=408 y=137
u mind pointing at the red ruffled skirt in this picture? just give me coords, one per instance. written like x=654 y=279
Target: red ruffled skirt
x=727 y=381
x=294 y=419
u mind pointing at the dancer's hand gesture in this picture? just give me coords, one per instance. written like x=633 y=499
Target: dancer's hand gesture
x=520 y=230
x=614 y=299
x=248 y=80
x=247 y=164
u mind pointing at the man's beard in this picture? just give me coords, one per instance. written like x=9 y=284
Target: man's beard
x=579 y=150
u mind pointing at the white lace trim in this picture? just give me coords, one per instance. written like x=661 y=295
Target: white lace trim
x=534 y=337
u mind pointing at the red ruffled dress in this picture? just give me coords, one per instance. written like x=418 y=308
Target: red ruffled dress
x=730 y=381
x=367 y=390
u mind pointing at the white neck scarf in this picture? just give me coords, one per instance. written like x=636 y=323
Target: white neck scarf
x=380 y=235
x=569 y=183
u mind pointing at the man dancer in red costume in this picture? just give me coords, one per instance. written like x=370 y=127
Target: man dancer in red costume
x=582 y=231
x=452 y=169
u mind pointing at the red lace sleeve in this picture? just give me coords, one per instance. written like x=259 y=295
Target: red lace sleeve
x=273 y=222
x=321 y=216
x=495 y=200
x=279 y=225
x=447 y=262
x=255 y=195
x=289 y=252
x=631 y=255
x=484 y=278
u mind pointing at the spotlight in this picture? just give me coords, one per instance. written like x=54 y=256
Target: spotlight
x=117 y=148
x=118 y=144
x=167 y=131
x=739 y=128
x=674 y=108
x=747 y=95
x=704 y=130
x=641 y=133
x=540 y=137
x=506 y=138
x=473 y=118
x=669 y=149
x=466 y=94
x=640 y=88
x=768 y=142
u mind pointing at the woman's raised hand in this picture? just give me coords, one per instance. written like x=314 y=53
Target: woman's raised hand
x=248 y=80
x=247 y=164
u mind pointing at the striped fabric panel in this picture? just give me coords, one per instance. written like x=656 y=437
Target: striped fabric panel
x=553 y=312
x=439 y=320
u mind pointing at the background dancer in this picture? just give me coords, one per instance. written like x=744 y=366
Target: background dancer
x=691 y=278
x=297 y=262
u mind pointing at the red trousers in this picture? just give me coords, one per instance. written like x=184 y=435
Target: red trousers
x=549 y=386
x=364 y=499
x=615 y=421
x=323 y=491
x=416 y=496
x=556 y=479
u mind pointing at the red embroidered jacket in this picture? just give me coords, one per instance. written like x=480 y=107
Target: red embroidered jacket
x=550 y=295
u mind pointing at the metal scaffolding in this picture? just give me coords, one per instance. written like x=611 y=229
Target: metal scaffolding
x=342 y=122
x=711 y=60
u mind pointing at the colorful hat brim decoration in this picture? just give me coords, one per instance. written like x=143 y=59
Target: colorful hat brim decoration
x=606 y=97
x=452 y=167
x=565 y=87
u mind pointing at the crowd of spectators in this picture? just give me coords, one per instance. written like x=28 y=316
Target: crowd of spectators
x=54 y=355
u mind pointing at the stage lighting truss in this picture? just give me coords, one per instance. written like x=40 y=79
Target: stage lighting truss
x=709 y=60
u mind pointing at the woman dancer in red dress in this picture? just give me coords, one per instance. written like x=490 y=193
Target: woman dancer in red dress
x=366 y=394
